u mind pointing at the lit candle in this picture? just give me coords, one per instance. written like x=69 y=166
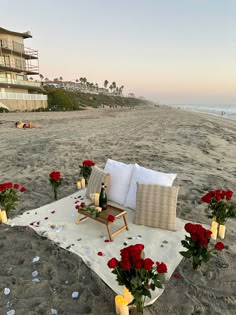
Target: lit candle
x=222 y=231
x=78 y=184
x=96 y=199
x=118 y=300
x=82 y=183
x=4 y=216
x=214 y=230
x=128 y=296
x=124 y=310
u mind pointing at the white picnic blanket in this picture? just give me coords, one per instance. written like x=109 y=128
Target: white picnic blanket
x=57 y=222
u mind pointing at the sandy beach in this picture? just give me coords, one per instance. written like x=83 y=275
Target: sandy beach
x=200 y=148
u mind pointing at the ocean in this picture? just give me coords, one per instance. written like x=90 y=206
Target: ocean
x=226 y=111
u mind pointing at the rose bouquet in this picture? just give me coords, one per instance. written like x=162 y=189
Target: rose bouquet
x=220 y=204
x=137 y=273
x=86 y=169
x=9 y=196
x=197 y=244
x=55 y=180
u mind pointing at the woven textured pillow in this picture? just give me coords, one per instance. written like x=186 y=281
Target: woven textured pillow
x=97 y=177
x=156 y=206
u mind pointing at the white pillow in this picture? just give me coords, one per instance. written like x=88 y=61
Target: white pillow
x=146 y=176
x=120 y=176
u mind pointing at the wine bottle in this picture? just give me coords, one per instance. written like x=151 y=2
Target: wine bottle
x=103 y=197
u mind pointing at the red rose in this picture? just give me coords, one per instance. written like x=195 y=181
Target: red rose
x=111 y=218
x=8 y=185
x=138 y=264
x=218 y=195
x=16 y=186
x=82 y=204
x=112 y=263
x=219 y=246
x=22 y=189
x=207 y=198
x=229 y=194
x=125 y=264
x=55 y=175
x=148 y=263
x=161 y=267
x=188 y=227
x=139 y=247
x=100 y=254
x=88 y=163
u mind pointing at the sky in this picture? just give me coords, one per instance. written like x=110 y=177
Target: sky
x=168 y=51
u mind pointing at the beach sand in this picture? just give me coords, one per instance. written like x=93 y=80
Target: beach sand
x=198 y=147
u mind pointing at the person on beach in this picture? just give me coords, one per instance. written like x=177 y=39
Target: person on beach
x=21 y=125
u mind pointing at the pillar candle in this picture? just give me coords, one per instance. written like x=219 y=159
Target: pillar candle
x=214 y=230
x=96 y=199
x=4 y=216
x=82 y=183
x=78 y=184
x=124 y=309
x=222 y=231
x=128 y=296
x=118 y=300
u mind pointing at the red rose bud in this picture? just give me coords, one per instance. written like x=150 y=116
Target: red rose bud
x=82 y=204
x=161 y=267
x=55 y=175
x=16 y=186
x=148 y=263
x=100 y=254
x=88 y=163
x=229 y=194
x=188 y=227
x=22 y=189
x=112 y=263
x=219 y=246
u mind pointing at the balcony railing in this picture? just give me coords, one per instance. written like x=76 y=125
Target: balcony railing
x=19 y=48
x=20 y=82
x=28 y=68
x=23 y=96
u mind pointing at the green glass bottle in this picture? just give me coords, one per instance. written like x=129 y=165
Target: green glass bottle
x=103 y=197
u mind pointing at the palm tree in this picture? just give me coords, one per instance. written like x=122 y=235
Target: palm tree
x=41 y=77
x=111 y=87
x=61 y=78
x=105 y=84
x=46 y=79
x=114 y=85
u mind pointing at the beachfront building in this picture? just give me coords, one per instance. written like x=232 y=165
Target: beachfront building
x=17 y=65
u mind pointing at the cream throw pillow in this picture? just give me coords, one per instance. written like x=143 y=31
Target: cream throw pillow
x=145 y=176
x=156 y=206
x=97 y=177
x=120 y=180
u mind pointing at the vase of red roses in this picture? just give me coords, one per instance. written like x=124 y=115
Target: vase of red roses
x=138 y=274
x=220 y=208
x=55 y=180
x=9 y=196
x=198 y=244
x=86 y=169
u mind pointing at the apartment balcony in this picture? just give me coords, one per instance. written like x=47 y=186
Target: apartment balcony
x=18 y=49
x=26 y=68
x=20 y=83
x=23 y=96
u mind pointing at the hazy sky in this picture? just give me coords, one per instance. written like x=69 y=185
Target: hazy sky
x=174 y=51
